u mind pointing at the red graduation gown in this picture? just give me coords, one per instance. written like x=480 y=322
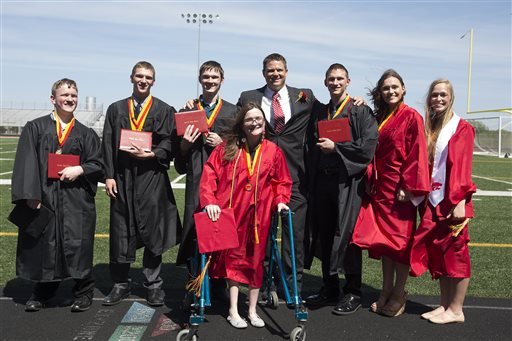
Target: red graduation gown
x=434 y=247
x=245 y=263
x=385 y=226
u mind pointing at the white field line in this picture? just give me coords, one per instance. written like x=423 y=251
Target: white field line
x=7 y=182
x=6 y=173
x=490 y=179
x=8 y=152
x=6 y=159
x=178 y=179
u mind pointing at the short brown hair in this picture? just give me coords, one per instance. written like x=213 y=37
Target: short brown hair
x=64 y=81
x=336 y=66
x=274 y=57
x=144 y=65
x=211 y=65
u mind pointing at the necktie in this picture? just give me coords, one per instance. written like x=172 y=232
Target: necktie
x=137 y=110
x=278 y=113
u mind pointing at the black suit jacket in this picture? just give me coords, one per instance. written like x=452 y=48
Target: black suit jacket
x=292 y=138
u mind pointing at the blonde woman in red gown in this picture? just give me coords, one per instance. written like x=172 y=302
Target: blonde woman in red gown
x=441 y=242
x=399 y=182
x=262 y=185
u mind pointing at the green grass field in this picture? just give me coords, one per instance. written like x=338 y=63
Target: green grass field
x=491 y=238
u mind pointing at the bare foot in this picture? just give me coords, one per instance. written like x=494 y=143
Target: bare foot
x=432 y=313
x=447 y=317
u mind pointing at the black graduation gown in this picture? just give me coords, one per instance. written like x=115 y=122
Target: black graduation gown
x=65 y=248
x=144 y=212
x=353 y=158
x=192 y=165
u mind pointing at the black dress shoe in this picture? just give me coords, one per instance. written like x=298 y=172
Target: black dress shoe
x=116 y=295
x=82 y=303
x=34 y=303
x=155 y=297
x=322 y=298
x=347 y=305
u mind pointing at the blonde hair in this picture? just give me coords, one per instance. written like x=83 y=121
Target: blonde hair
x=435 y=122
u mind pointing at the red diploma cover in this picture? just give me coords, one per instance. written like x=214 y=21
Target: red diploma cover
x=337 y=130
x=197 y=118
x=57 y=162
x=216 y=235
x=141 y=139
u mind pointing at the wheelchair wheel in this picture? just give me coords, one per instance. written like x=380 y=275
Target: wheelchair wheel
x=273 y=300
x=298 y=334
x=183 y=335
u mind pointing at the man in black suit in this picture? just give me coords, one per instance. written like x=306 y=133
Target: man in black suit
x=287 y=111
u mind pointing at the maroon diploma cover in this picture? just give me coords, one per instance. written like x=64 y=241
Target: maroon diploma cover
x=335 y=130
x=57 y=162
x=216 y=235
x=142 y=139
x=197 y=118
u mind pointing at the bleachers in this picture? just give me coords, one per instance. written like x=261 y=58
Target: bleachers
x=14 y=119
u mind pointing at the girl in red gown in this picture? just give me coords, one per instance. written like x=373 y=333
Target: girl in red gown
x=441 y=241
x=399 y=182
x=249 y=174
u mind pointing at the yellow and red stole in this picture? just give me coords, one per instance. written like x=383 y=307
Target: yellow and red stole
x=397 y=109
x=339 y=110
x=210 y=120
x=62 y=134
x=138 y=123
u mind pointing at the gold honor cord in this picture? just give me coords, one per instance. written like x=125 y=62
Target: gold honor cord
x=138 y=124
x=340 y=109
x=210 y=120
x=381 y=125
x=62 y=134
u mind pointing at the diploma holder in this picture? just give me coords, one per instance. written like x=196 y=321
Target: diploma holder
x=197 y=118
x=216 y=235
x=337 y=130
x=141 y=139
x=57 y=162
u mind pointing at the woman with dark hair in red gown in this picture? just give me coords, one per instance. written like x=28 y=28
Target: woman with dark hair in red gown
x=399 y=182
x=249 y=174
x=441 y=241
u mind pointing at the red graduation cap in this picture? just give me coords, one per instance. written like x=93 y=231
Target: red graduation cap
x=216 y=235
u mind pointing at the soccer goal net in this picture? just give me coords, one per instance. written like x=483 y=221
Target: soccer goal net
x=493 y=135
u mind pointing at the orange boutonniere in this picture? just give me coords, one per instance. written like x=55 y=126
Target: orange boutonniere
x=302 y=97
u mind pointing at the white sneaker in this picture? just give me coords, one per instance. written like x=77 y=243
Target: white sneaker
x=256 y=321
x=238 y=323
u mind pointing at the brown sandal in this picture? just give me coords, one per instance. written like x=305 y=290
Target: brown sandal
x=392 y=309
x=376 y=307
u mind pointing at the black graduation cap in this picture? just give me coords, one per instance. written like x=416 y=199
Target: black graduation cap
x=31 y=221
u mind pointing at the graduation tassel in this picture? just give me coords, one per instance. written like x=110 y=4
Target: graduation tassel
x=456 y=229
x=195 y=284
x=256 y=237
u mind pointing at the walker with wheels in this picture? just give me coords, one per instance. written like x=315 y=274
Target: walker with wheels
x=301 y=314
x=199 y=302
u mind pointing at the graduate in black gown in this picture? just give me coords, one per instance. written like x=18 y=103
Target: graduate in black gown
x=337 y=171
x=142 y=207
x=195 y=148
x=61 y=246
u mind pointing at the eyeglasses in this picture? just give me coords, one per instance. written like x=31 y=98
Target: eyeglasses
x=254 y=119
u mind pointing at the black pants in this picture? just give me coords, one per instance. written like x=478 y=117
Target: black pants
x=152 y=265
x=82 y=287
x=326 y=220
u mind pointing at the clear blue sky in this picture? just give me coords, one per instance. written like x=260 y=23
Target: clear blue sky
x=97 y=42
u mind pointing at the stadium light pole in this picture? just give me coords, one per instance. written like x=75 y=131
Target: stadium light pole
x=469 y=66
x=199 y=18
